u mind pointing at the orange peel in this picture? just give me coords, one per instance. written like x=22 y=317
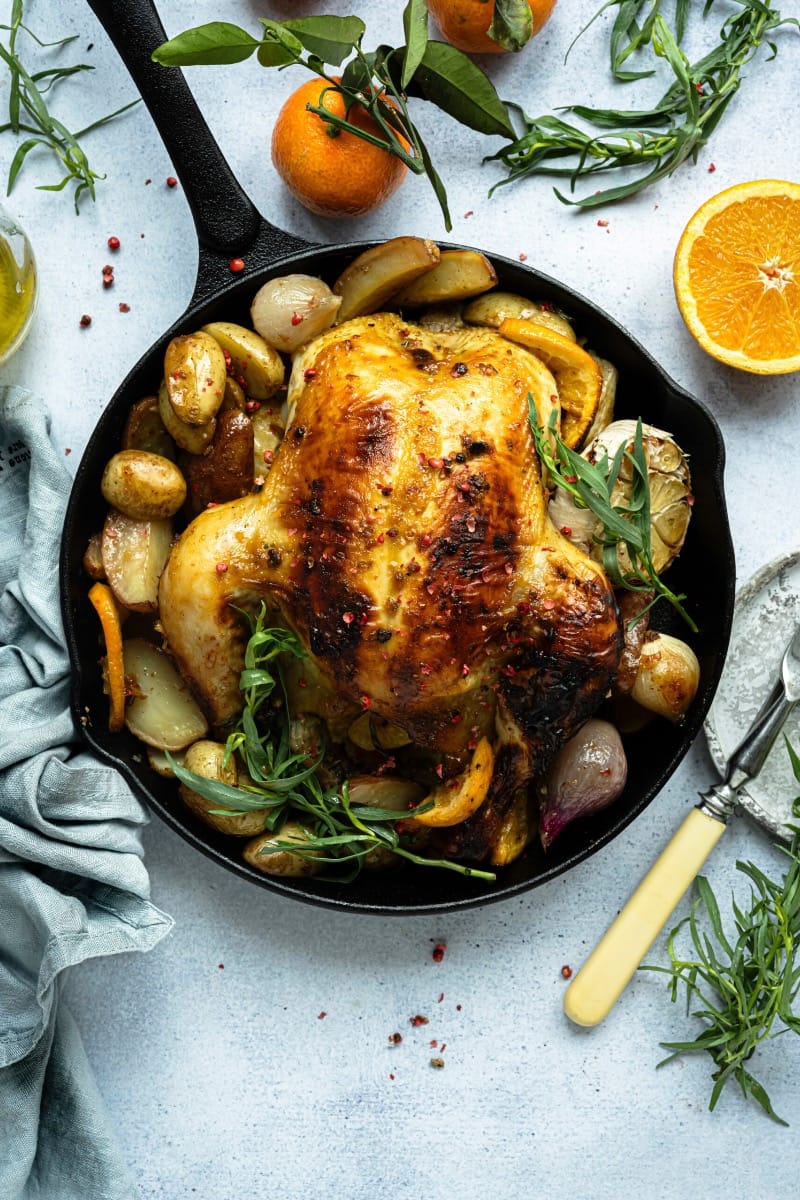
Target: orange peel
x=578 y=376
x=104 y=604
x=459 y=798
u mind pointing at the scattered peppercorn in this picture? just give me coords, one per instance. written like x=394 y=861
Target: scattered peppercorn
x=171 y=181
x=113 y=243
x=124 y=308
x=438 y=950
x=85 y=321
x=418 y=1020
x=566 y=971
x=395 y=1039
x=321 y=1016
x=236 y=265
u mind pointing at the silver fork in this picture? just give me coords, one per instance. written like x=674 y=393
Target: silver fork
x=750 y=755
x=609 y=968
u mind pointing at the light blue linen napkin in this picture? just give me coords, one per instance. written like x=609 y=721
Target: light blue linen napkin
x=72 y=881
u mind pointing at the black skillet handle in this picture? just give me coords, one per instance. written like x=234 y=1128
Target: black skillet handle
x=227 y=222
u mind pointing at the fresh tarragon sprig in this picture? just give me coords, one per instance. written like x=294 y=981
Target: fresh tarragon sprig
x=746 y=984
x=591 y=486
x=651 y=142
x=338 y=832
x=29 y=114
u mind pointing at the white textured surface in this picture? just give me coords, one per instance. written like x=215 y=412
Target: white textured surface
x=225 y=1082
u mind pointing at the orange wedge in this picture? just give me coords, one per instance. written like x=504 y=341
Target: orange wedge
x=458 y=799
x=105 y=605
x=737 y=276
x=578 y=377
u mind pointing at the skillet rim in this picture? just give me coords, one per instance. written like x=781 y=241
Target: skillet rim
x=340 y=897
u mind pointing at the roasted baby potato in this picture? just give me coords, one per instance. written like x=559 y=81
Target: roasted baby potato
x=145 y=486
x=144 y=429
x=195 y=439
x=207 y=759
x=280 y=862
x=381 y=272
x=495 y=307
x=194 y=372
x=163 y=712
x=458 y=275
x=395 y=795
x=93 y=557
x=226 y=471
x=267 y=437
x=256 y=366
x=134 y=554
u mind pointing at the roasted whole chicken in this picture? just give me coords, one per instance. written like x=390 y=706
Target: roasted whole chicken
x=403 y=535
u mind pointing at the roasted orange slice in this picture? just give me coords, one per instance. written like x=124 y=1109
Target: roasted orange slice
x=737 y=276
x=578 y=377
x=458 y=799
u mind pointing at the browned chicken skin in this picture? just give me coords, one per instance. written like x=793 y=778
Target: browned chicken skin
x=403 y=534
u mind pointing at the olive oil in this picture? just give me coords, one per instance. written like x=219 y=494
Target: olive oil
x=17 y=287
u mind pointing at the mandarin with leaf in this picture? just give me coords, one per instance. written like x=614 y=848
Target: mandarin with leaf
x=466 y=23
x=331 y=171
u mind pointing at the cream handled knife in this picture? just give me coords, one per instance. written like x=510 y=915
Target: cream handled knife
x=612 y=964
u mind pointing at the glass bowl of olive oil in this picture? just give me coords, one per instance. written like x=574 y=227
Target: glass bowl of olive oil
x=17 y=285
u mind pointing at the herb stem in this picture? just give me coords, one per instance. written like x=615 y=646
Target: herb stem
x=26 y=99
x=690 y=109
x=747 y=986
x=288 y=785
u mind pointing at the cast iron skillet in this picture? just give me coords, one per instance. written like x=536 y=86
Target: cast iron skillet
x=227 y=225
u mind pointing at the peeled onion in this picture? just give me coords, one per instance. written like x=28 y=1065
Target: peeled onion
x=292 y=310
x=668 y=676
x=587 y=774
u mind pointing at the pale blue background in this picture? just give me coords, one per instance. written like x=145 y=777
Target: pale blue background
x=223 y=1083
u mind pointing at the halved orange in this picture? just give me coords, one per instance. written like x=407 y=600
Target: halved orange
x=578 y=377
x=737 y=276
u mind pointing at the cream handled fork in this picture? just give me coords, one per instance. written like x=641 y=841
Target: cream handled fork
x=612 y=964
